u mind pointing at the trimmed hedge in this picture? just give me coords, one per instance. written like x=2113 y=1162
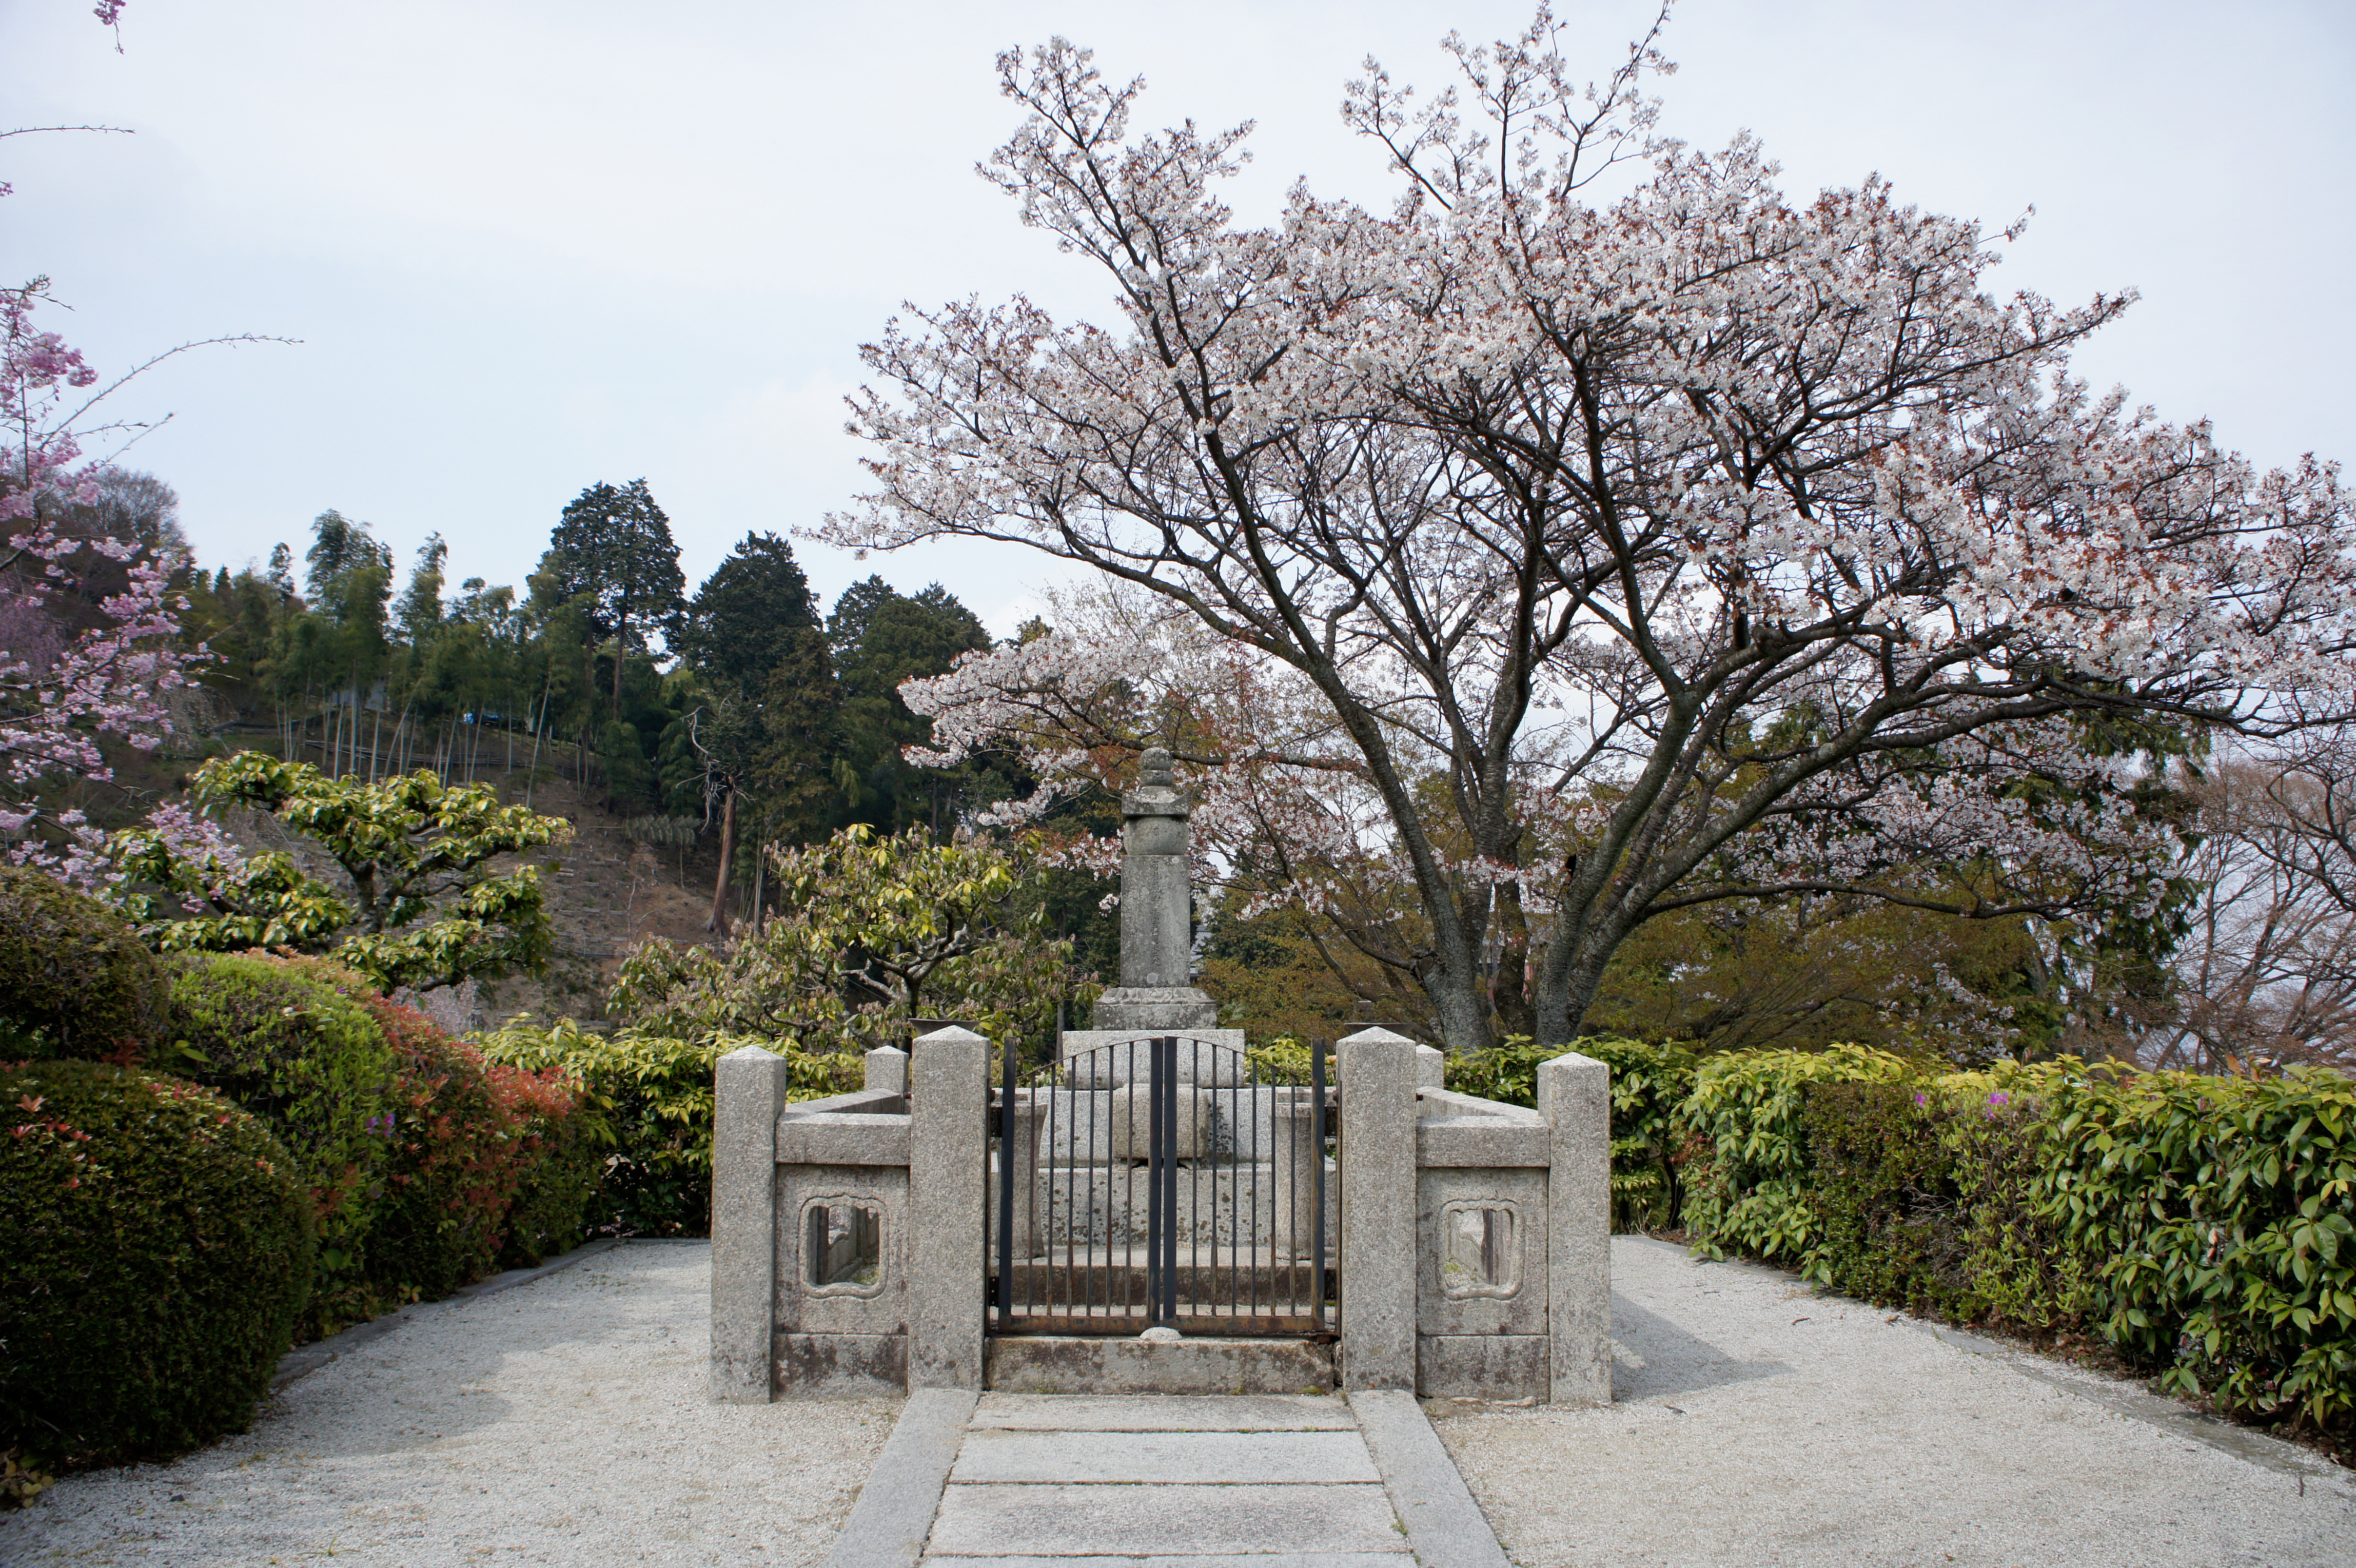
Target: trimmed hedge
x=74 y=980
x=306 y=1056
x=2204 y=1227
x=159 y=1252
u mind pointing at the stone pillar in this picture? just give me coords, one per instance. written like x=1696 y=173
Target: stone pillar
x=1157 y=943
x=1575 y=1098
x=1378 y=1210
x=1430 y=1068
x=887 y=1071
x=1293 y=1127
x=749 y=1089
x=949 y=1159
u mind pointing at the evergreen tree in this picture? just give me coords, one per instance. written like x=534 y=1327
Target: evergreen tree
x=613 y=550
x=880 y=637
x=748 y=617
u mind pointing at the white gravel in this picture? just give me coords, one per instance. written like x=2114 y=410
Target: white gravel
x=567 y=1421
x=1757 y=1421
x=564 y=1421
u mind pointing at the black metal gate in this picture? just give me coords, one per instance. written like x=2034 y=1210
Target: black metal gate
x=1165 y=1182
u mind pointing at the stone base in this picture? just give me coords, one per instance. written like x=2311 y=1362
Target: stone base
x=1505 y=1368
x=843 y=1366
x=1160 y=1009
x=1056 y=1364
x=1216 y=1060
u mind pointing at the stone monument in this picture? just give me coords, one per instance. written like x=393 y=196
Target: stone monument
x=1155 y=996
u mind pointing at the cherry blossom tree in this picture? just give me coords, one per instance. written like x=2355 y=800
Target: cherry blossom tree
x=1689 y=544
x=63 y=693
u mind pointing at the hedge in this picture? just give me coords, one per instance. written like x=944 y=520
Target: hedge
x=649 y=1105
x=298 y=1051
x=2204 y=1227
x=159 y=1254
x=74 y=980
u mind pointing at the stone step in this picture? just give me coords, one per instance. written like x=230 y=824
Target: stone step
x=1237 y=1560
x=1203 y=1459
x=1099 y=1279
x=1162 y=1413
x=999 y=1521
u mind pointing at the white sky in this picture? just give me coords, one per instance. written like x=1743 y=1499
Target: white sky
x=529 y=244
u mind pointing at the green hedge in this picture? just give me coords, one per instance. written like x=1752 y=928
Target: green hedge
x=299 y=1052
x=74 y=982
x=649 y=1104
x=2205 y=1227
x=158 y=1254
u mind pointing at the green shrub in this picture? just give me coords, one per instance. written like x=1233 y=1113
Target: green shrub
x=1743 y=1138
x=74 y=980
x=649 y=1101
x=296 y=1050
x=158 y=1255
x=1889 y=1216
x=2224 y=1212
x=1648 y=1082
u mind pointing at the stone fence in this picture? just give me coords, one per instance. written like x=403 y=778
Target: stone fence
x=848 y=1234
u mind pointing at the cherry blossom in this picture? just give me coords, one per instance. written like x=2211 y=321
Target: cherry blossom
x=1696 y=543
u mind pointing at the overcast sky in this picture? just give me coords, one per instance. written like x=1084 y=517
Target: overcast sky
x=528 y=246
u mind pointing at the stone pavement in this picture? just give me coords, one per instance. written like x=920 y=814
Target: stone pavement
x=1165 y=1481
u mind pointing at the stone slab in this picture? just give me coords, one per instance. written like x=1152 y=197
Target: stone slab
x=1110 y=1059
x=1162 y=1412
x=1166 y=1459
x=1077 y=1364
x=1443 y=1524
x=835 y=1139
x=1248 y=1559
x=1483 y=1141
x=984 y=1521
x=894 y=1511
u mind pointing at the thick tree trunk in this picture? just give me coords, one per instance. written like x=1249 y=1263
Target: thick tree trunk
x=718 y=921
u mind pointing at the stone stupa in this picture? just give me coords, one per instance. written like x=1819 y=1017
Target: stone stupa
x=1155 y=996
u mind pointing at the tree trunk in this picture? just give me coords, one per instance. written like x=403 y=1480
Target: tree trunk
x=1509 y=991
x=718 y=921
x=621 y=654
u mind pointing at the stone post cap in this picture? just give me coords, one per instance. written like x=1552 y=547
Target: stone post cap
x=753 y=1052
x=885 y=1051
x=952 y=1035
x=1378 y=1037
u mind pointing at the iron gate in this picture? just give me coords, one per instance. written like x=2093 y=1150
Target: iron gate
x=1163 y=1182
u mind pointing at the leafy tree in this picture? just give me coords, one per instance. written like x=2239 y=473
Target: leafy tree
x=871 y=932
x=613 y=550
x=423 y=899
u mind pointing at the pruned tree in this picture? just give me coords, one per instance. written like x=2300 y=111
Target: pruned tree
x=1692 y=545
x=430 y=891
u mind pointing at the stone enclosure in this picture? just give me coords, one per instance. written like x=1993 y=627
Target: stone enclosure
x=1418 y=1240
x=850 y=1240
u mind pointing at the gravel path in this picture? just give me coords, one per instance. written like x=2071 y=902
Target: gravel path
x=564 y=1421
x=1760 y=1423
